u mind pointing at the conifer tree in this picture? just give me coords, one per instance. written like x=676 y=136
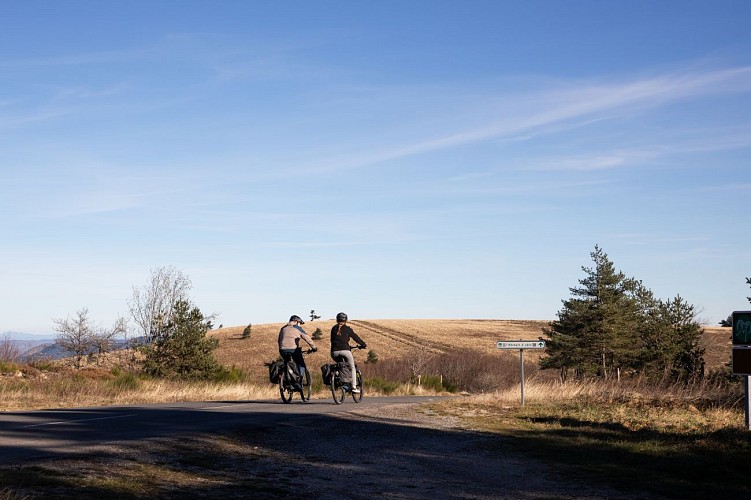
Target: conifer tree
x=181 y=348
x=595 y=333
x=613 y=323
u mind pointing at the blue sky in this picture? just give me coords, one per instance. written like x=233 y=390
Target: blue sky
x=390 y=159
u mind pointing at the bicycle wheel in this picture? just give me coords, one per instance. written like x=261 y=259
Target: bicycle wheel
x=337 y=392
x=305 y=389
x=285 y=388
x=357 y=396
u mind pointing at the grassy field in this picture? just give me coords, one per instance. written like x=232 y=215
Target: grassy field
x=397 y=339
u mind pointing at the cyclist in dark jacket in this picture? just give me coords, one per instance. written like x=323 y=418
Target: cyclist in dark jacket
x=340 y=335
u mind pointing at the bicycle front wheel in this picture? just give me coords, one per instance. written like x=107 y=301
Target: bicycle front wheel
x=337 y=392
x=305 y=389
x=357 y=396
x=285 y=389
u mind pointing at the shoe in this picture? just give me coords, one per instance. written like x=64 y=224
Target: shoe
x=356 y=391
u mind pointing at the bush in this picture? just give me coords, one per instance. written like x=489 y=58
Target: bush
x=229 y=375
x=126 y=381
x=377 y=384
x=8 y=367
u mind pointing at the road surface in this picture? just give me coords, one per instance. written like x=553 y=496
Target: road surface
x=388 y=446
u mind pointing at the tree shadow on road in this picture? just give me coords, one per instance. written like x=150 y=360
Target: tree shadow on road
x=246 y=449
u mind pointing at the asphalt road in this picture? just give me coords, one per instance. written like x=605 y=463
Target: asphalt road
x=380 y=447
x=67 y=432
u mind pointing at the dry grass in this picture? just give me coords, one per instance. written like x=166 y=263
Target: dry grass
x=390 y=339
x=395 y=339
x=442 y=346
x=95 y=386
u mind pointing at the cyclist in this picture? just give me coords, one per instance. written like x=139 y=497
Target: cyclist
x=289 y=343
x=340 y=335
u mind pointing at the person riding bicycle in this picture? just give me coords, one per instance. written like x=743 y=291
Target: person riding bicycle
x=289 y=343
x=340 y=335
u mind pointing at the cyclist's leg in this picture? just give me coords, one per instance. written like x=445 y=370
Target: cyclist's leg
x=299 y=360
x=351 y=361
x=286 y=355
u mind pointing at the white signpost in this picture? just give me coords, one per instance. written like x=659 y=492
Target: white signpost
x=521 y=345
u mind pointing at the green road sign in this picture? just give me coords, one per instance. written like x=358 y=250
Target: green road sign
x=741 y=327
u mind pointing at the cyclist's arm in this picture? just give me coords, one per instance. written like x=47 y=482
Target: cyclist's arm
x=307 y=339
x=357 y=339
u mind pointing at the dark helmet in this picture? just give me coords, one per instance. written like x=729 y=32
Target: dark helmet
x=297 y=318
x=341 y=318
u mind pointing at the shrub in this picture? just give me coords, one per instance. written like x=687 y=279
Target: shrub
x=126 y=381
x=378 y=384
x=232 y=374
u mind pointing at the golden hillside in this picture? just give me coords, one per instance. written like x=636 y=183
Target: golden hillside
x=398 y=338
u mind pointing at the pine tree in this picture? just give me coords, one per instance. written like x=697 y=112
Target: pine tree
x=317 y=334
x=595 y=333
x=672 y=339
x=181 y=349
x=614 y=324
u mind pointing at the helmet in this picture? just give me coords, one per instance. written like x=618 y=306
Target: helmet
x=341 y=318
x=297 y=318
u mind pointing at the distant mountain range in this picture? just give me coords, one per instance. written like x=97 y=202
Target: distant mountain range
x=31 y=346
x=49 y=337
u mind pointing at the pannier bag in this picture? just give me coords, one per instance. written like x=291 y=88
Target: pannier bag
x=275 y=371
x=326 y=373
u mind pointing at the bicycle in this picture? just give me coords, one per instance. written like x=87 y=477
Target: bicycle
x=291 y=381
x=339 y=389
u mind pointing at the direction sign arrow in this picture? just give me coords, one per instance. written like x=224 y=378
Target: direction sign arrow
x=521 y=344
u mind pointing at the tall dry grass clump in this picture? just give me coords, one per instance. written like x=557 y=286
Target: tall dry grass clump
x=637 y=404
x=61 y=387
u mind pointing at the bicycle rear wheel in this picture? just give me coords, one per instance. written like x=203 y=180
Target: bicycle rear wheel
x=337 y=392
x=357 y=396
x=285 y=388
x=306 y=385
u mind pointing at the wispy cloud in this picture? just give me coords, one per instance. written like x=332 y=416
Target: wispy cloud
x=571 y=105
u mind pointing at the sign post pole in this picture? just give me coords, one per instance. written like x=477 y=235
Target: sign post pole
x=521 y=371
x=521 y=345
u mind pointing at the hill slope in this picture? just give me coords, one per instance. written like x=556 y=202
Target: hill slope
x=395 y=339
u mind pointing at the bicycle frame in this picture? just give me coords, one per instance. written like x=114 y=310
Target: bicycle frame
x=289 y=382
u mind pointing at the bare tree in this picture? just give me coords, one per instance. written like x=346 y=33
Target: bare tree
x=152 y=305
x=76 y=335
x=104 y=338
x=9 y=351
x=419 y=358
